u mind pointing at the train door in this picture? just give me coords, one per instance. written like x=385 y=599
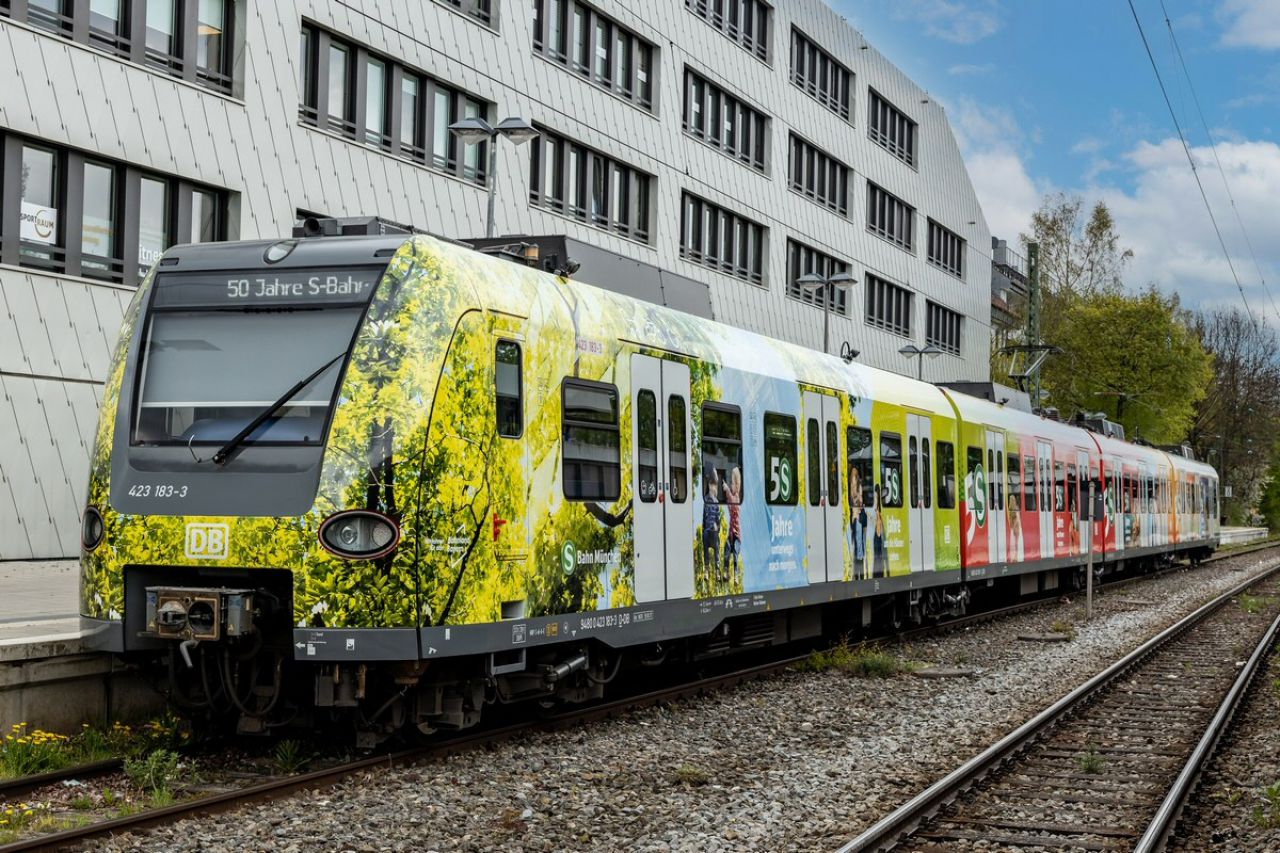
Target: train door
x=824 y=529
x=661 y=474
x=1082 y=498
x=1044 y=471
x=920 y=491
x=998 y=529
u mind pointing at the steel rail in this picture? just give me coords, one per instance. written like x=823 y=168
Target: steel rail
x=19 y=785
x=889 y=830
x=1166 y=818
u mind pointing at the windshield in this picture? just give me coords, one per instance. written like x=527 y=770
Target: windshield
x=220 y=348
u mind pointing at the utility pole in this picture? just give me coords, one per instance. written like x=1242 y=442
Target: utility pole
x=1033 y=315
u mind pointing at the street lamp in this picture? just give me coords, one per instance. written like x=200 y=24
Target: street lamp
x=913 y=351
x=813 y=282
x=473 y=131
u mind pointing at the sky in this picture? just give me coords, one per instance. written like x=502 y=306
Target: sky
x=1059 y=96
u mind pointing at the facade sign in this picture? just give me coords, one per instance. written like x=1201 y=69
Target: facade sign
x=39 y=224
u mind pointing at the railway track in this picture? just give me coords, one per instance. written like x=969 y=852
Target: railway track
x=273 y=788
x=1108 y=766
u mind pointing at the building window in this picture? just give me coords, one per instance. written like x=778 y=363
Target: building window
x=334 y=97
x=745 y=22
x=153 y=223
x=818 y=73
x=721 y=240
x=890 y=217
x=99 y=243
x=601 y=50
x=802 y=259
x=481 y=10
x=592 y=462
x=583 y=184
x=508 y=389
x=819 y=176
x=94 y=217
x=723 y=121
x=40 y=231
x=888 y=306
x=942 y=328
x=190 y=39
x=946 y=249
x=889 y=128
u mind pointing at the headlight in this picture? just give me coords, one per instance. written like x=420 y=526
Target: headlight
x=91 y=529
x=359 y=534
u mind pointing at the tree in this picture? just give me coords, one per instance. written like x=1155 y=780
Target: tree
x=1134 y=357
x=1235 y=422
x=1077 y=257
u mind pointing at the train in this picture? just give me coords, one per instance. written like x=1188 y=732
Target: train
x=389 y=481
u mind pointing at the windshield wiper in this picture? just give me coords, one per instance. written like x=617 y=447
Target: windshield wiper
x=224 y=453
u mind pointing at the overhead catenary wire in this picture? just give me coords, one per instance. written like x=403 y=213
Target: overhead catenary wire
x=1186 y=149
x=1213 y=146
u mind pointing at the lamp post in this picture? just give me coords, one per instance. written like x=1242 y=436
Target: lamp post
x=913 y=351
x=473 y=131
x=837 y=281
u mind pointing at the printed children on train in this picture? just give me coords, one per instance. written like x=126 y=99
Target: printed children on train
x=733 y=543
x=857 y=520
x=711 y=527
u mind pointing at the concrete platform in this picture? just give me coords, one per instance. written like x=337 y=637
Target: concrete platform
x=1243 y=535
x=47 y=677
x=39 y=599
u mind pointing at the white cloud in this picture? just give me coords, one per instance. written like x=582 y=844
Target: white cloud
x=972 y=70
x=1165 y=223
x=992 y=144
x=1088 y=145
x=959 y=21
x=1251 y=23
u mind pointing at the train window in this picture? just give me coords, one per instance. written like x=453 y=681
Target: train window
x=946 y=475
x=861 y=474
x=592 y=466
x=1073 y=489
x=913 y=476
x=1029 y=502
x=1014 y=469
x=999 y=479
x=890 y=470
x=926 y=477
x=833 y=464
x=722 y=453
x=1046 y=485
x=677 y=449
x=647 y=445
x=1059 y=488
x=813 y=462
x=973 y=482
x=780 y=458
x=509 y=389
x=991 y=478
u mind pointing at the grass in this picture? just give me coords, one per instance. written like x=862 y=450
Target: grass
x=1091 y=762
x=1266 y=814
x=689 y=774
x=1253 y=604
x=1062 y=626
x=860 y=661
x=290 y=756
x=25 y=750
x=154 y=773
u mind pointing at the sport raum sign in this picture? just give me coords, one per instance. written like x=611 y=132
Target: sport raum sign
x=38 y=224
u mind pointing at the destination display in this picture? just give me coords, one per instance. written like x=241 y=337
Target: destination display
x=275 y=288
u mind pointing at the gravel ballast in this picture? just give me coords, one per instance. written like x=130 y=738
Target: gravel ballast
x=799 y=761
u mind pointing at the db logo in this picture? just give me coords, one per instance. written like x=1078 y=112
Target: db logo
x=206 y=541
